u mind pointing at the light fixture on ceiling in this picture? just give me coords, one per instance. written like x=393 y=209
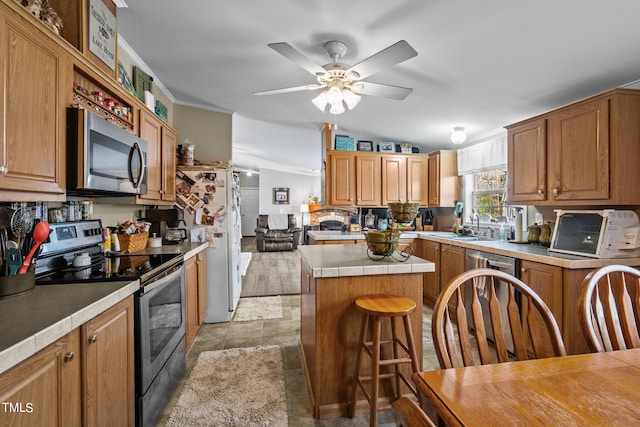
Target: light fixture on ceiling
x=337 y=99
x=249 y=173
x=458 y=136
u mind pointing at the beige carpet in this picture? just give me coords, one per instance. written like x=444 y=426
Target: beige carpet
x=258 y=308
x=235 y=387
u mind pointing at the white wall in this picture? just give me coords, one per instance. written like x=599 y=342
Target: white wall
x=209 y=131
x=300 y=187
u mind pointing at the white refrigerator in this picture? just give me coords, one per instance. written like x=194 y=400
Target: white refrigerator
x=210 y=198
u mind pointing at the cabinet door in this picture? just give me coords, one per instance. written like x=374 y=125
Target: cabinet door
x=452 y=263
x=169 y=141
x=579 y=153
x=191 y=301
x=394 y=179
x=368 y=176
x=151 y=131
x=45 y=388
x=343 y=179
x=417 y=191
x=201 y=261
x=546 y=281
x=527 y=161
x=433 y=181
x=34 y=71
x=431 y=252
x=109 y=367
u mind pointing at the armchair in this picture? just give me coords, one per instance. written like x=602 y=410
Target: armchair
x=277 y=237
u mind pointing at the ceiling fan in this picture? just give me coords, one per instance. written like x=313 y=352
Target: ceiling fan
x=343 y=83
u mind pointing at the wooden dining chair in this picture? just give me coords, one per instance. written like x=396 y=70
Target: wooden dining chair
x=608 y=308
x=407 y=413
x=476 y=307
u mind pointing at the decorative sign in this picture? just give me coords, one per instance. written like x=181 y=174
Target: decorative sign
x=102 y=33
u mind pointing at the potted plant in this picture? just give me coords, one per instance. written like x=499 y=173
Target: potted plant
x=314 y=203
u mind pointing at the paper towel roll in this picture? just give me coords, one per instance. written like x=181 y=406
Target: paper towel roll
x=518 y=237
x=149 y=100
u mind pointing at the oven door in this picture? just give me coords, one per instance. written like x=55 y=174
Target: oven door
x=160 y=323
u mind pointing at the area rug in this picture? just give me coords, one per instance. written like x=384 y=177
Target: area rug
x=258 y=308
x=245 y=259
x=235 y=387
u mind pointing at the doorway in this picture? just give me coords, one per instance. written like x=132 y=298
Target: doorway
x=249 y=209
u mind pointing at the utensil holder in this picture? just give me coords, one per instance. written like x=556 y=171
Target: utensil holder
x=17 y=284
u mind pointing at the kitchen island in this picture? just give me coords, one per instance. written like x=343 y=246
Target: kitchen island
x=332 y=277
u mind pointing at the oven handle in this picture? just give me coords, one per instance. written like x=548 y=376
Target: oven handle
x=161 y=279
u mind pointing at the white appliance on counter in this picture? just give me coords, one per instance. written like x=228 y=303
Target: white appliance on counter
x=605 y=233
x=211 y=201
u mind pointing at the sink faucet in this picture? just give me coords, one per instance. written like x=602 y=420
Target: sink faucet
x=490 y=230
x=475 y=217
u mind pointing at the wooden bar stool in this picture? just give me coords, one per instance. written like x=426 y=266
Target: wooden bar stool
x=376 y=307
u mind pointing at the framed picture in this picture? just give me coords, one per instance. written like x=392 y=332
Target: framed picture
x=387 y=147
x=365 y=146
x=344 y=142
x=406 y=148
x=281 y=196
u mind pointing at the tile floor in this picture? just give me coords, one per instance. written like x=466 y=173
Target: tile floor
x=286 y=333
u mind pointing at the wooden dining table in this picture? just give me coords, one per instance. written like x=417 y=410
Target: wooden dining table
x=598 y=389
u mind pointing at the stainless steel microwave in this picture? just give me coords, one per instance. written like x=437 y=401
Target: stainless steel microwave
x=102 y=158
x=604 y=233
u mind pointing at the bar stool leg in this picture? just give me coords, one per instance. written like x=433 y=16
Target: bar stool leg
x=412 y=351
x=396 y=351
x=375 y=372
x=356 y=377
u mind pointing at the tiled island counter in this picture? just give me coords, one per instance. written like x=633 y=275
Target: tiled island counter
x=332 y=277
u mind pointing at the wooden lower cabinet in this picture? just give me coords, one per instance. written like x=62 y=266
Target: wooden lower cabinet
x=430 y=251
x=45 y=388
x=195 y=282
x=452 y=263
x=109 y=367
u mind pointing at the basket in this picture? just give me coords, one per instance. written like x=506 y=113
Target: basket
x=403 y=213
x=133 y=242
x=382 y=242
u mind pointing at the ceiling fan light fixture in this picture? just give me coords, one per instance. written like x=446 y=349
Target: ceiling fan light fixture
x=350 y=98
x=337 y=108
x=334 y=96
x=320 y=101
x=458 y=136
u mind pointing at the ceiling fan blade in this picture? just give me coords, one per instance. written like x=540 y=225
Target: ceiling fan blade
x=289 y=52
x=378 y=89
x=394 y=54
x=290 y=89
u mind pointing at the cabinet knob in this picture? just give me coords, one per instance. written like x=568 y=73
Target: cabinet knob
x=93 y=338
x=4 y=169
x=523 y=270
x=69 y=356
x=556 y=191
x=540 y=191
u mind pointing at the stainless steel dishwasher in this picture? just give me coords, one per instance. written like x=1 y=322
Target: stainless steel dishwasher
x=480 y=259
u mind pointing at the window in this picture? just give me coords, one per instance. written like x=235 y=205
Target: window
x=490 y=194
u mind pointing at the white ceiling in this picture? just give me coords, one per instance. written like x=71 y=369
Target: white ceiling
x=480 y=64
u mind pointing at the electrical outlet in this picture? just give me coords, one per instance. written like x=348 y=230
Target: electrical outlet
x=539 y=218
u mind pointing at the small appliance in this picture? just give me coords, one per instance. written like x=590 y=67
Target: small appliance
x=102 y=158
x=605 y=233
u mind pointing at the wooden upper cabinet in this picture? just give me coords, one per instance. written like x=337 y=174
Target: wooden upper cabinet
x=584 y=153
x=443 y=181
x=341 y=177
x=578 y=153
x=417 y=177
x=368 y=180
x=527 y=159
x=161 y=159
x=394 y=179
x=34 y=71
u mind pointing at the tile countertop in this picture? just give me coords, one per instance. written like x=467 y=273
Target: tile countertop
x=33 y=320
x=346 y=235
x=352 y=260
x=528 y=252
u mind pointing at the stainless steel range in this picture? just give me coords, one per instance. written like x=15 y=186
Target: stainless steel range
x=159 y=304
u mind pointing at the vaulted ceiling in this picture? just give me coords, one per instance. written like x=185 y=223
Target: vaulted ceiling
x=480 y=64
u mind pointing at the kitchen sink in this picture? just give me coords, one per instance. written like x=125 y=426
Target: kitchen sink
x=470 y=238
